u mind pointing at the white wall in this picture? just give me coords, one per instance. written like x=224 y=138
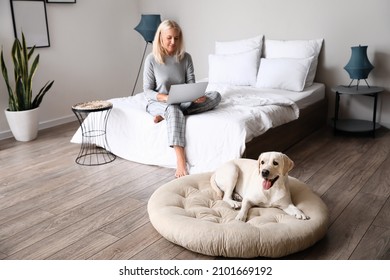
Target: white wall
x=342 y=24
x=95 y=53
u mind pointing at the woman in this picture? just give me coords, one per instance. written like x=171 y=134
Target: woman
x=169 y=64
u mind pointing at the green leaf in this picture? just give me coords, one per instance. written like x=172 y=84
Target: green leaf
x=20 y=91
x=38 y=99
x=5 y=73
x=31 y=76
x=31 y=52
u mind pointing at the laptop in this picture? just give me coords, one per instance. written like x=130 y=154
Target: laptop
x=186 y=92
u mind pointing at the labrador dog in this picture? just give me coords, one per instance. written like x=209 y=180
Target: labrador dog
x=261 y=183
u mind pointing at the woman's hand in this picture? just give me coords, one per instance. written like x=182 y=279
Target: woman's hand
x=200 y=99
x=162 y=97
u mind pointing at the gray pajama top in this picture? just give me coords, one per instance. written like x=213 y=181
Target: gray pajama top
x=158 y=78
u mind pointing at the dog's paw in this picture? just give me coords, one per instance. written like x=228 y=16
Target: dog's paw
x=301 y=216
x=295 y=212
x=234 y=204
x=241 y=217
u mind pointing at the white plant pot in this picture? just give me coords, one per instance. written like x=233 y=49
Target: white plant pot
x=23 y=124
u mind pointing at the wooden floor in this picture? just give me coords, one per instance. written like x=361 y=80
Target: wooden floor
x=52 y=208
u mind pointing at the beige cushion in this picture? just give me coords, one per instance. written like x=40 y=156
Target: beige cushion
x=185 y=212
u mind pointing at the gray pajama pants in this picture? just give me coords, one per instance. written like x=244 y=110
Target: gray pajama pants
x=175 y=115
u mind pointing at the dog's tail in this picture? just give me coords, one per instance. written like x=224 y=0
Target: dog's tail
x=215 y=187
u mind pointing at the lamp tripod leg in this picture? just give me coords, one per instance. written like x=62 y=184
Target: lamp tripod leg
x=139 y=70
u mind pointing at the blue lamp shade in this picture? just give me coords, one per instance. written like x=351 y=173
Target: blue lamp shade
x=147 y=27
x=359 y=66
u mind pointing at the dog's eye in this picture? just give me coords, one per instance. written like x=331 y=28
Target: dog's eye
x=262 y=162
x=275 y=163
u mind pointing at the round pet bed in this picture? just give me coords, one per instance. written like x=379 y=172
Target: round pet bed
x=186 y=212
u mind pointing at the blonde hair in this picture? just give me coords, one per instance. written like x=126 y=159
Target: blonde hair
x=159 y=51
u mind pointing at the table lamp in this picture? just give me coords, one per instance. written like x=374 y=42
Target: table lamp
x=147 y=27
x=358 y=66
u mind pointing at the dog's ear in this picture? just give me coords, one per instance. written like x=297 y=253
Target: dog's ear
x=287 y=165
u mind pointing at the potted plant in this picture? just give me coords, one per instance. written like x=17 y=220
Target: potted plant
x=22 y=111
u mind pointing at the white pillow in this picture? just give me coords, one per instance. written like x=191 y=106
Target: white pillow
x=234 y=69
x=283 y=73
x=295 y=49
x=239 y=46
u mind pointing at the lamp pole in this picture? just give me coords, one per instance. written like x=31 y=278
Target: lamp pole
x=139 y=70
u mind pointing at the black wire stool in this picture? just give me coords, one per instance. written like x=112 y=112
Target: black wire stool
x=93 y=117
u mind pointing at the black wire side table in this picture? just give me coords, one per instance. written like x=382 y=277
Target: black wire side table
x=93 y=117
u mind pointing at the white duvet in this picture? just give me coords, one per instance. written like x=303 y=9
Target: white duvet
x=212 y=137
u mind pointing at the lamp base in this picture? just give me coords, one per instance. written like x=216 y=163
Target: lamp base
x=357 y=84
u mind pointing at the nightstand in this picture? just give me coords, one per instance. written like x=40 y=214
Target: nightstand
x=349 y=125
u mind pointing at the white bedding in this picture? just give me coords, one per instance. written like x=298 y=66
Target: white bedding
x=212 y=137
x=308 y=96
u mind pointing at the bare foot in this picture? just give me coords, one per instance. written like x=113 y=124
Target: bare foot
x=181 y=171
x=158 y=119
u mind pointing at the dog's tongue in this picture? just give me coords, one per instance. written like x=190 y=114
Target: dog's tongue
x=267 y=184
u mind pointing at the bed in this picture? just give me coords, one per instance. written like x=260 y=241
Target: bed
x=312 y=116
x=269 y=102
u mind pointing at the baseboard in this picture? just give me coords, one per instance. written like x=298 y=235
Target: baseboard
x=384 y=124
x=42 y=125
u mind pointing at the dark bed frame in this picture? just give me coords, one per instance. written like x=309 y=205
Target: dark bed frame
x=282 y=137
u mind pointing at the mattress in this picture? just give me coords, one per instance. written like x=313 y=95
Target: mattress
x=305 y=98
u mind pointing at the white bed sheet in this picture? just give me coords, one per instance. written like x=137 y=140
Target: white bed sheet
x=213 y=137
x=303 y=99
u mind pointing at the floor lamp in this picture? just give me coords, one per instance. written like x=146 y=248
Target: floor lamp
x=147 y=27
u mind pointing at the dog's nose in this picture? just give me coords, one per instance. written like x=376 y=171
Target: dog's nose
x=265 y=173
